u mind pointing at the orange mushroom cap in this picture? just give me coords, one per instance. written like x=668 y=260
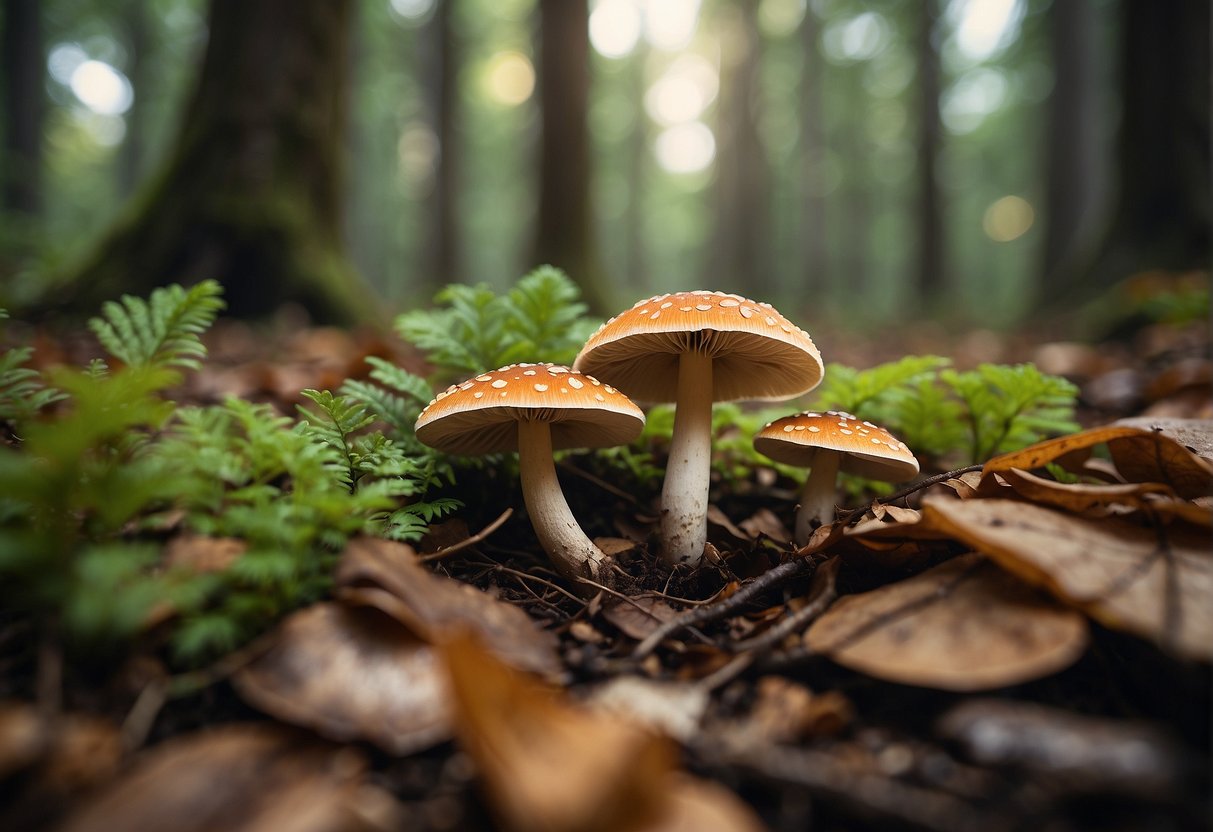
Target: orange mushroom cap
x=481 y=415
x=868 y=450
x=757 y=352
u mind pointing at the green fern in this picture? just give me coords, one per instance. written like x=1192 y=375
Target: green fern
x=23 y=393
x=163 y=330
x=539 y=319
x=1011 y=407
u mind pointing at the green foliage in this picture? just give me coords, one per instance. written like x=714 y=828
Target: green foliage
x=95 y=479
x=162 y=331
x=539 y=319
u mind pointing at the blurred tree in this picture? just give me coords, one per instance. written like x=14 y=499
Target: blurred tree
x=932 y=272
x=564 y=232
x=741 y=257
x=22 y=71
x=1070 y=155
x=250 y=194
x=814 y=252
x=636 y=278
x=136 y=27
x=440 y=65
x=1163 y=215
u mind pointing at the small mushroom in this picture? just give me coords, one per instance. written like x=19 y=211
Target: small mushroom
x=828 y=443
x=535 y=409
x=696 y=348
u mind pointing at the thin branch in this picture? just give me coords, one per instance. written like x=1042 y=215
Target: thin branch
x=853 y=515
x=469 y=541
x=798 y=620
x=701 y=615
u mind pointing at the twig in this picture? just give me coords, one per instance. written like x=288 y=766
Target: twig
x=142 y=716
x=469 y=541
x=850 y=515
x=701 y=615
x=601 y=483
x=798 y=620
x=528 y=577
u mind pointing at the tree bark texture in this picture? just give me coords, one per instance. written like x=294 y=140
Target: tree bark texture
x=136 y=28
x=814 y=253
x=22 y=64
x=564 y=231
x=251 y=193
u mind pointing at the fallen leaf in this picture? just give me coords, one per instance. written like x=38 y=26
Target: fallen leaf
x=637 y=617
x=241 y=778
x=546 y=764
x=719 y=518
x=787 y=712
x=1080 y=497
x=766 y=522
x=1157 y=583
x=199 y=553
x=352 y=673
x=1194 y=434
x=432 y=606
x=963 y=625
x=694 y=805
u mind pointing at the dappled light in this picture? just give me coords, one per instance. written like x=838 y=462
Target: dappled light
x=615 y=27
x=509 y=78
x=985 y=27
x=685 y=148
x=1008 y=218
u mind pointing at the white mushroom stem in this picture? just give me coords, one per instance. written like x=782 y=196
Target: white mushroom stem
x=573 y=554
x=817 y=498
x=684 y=497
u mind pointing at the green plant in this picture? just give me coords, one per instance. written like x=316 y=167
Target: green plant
x=84 y=498
x=476 y=330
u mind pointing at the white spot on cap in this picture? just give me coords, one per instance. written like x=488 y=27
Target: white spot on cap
x=788 y=428
x=846 y=432
x=800 y=427
x=728 y=303
x=599 y=397
x=499 y=383
x=575 y=383
x=876 y=441
x=529 y=373
x=478 y=394
x=746 y=312
x=704 y=307
x=666 y=305
x=542 y=388
x=770 y=321
x=557 y=371
x=814 y=429
x=655 y=316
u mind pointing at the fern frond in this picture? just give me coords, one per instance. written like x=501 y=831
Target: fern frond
x=162 y=331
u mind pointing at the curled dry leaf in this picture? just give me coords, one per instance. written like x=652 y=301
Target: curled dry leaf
x=251 y=778
x=352 y=673
x=1194 y=434
x=432 y=606
x=1139 y=456
x=1081 y=497
x=963 y=625
x=549 y=765
x=1157 y=583
x=637 y=617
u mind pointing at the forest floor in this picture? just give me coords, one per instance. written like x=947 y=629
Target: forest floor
x=880 y=677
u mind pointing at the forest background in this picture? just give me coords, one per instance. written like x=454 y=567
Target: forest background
x=977 y=160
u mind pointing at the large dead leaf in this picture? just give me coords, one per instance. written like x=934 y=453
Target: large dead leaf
x=241 y=778
x=1080 y=497
x=1157 y=583
x=1194 y=434
x=963 y=625
x=432 y=606
x=1139 y=455
x=352 y=673
x=549 y=766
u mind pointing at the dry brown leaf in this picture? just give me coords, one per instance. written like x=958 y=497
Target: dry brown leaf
x=963 y=625
x=67 y=752
x=717 y=517
x=1139 y=455
x=1194 y=434
x=670 y=708
x=241 y=778
x=545 y=764
x=199 y=553
x=694 y=805
x=431 y=606
x=787 y=712
x=1157 y=583
x=352 y=673
x=637 y=617
x=766 y=522
x=1080 y=497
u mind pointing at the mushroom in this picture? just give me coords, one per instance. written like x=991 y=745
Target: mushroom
x=534 y=409
x=696 y=348
x=828 y=443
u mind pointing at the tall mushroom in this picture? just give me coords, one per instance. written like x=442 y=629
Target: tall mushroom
x=696 y=348
x=535 y=409
x=828 y=443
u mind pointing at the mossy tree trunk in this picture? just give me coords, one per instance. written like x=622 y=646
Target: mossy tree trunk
x=251 y=193
x=22 y=60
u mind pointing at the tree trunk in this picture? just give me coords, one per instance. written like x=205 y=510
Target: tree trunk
x=814 y=253
x=932 y=276
x=1163 y=216
x=21 y=73
x=564 y=234
x=136 y=27
x=251 y=194
x=441 y=60
x=741 y=261
x=637 y=278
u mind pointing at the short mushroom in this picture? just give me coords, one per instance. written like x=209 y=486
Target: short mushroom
x=535 y=409
x=696 y=348
x=828 y=443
